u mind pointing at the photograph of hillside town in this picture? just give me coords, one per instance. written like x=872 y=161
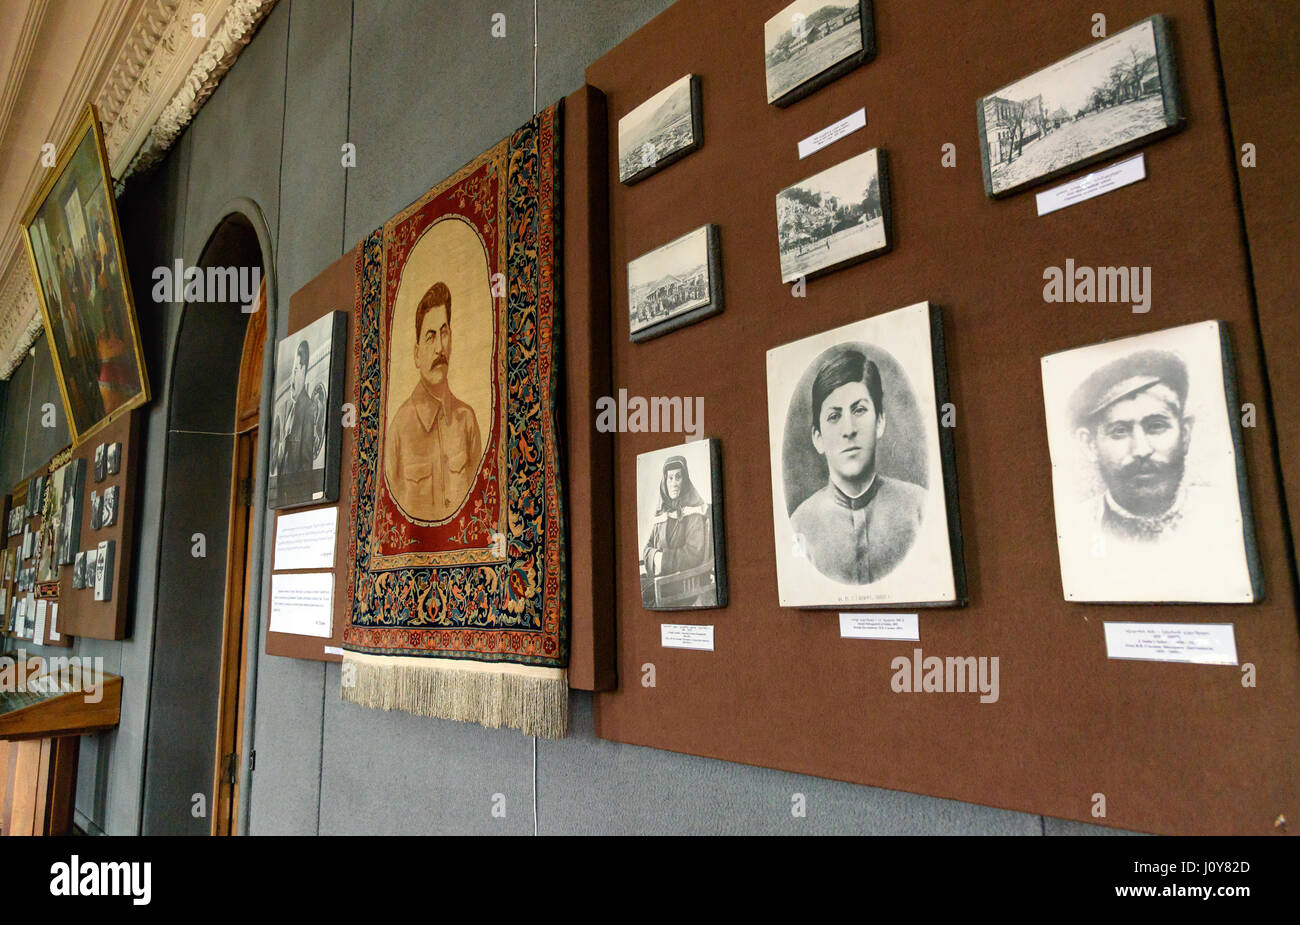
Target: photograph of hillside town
x=656 y=132
x=806 y=38
x=669 y=281
x=831 y=218
x=1092 y=102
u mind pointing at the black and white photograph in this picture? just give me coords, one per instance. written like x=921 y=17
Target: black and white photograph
x=863 y=483
x=1112 y=96
x=679 y=527
x=1148 y=476
x=108 y=507
x=103 y=581
x=28 y=546
x=675 y=284
x=17 y=514
x=70 y=483
x=835 y=218
x=663 y=129
x=813 y=42
x=96 y=510
x=113 y=458
x=79 y=570
x=36 y=496
x=92 y=558
x=101 y=462
x=307 y=429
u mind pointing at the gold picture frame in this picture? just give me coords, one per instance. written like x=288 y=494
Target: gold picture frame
x=74 y=248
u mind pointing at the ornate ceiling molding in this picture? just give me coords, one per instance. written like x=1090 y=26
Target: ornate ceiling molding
x=148 y=73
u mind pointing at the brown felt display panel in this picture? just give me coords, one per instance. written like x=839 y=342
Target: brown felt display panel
x=333 y=289
x=79 y=613
x=1174 y=748
x=1262 y=77
x=587 y=453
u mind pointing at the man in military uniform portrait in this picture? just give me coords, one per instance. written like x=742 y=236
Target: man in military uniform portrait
x=432 y=446
x=862 y=523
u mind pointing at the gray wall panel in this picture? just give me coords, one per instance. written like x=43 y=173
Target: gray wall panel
x=393 y=773
x=431 y=89
x=572 y=35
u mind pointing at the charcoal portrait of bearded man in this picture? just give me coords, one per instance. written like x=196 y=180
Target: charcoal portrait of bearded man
x=1161 y=518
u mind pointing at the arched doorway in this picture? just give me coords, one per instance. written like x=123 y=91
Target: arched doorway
x=207 y=581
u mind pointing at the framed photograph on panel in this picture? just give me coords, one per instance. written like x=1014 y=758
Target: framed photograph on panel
x=679 y=527
x=70 y=483
x=813 y=42
x=835 y=218
x=663 y=129
x=74 y=243
x=864 y=491
x=1148 y=474
x=675 y=284
x=1117 y=94
x=306 y=430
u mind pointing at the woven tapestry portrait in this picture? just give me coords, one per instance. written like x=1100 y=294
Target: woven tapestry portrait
x=456 y=582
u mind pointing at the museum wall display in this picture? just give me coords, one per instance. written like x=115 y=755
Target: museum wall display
x=75 y=245
x=941 y=435
x=1022 y=284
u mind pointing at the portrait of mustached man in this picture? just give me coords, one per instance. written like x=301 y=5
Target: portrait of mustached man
x=433 y=446
x=1130 y=422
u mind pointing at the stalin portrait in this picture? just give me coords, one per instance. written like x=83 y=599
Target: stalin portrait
x=861 y=524
x=432 y=446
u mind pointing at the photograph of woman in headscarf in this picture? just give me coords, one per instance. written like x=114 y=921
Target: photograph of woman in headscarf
x=680 y=539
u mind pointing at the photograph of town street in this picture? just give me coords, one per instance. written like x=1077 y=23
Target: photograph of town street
x=831 y=218
x=1092 y=102
x=806 y=38
x=669 y=281
x=661 y=126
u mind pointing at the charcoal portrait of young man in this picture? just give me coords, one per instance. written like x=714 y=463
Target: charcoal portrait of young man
x=860 y=505
x=1148 y=505
x=860 y=525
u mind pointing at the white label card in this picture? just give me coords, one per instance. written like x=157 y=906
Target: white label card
x=54 y=623
x=38 y=635
x=303 y=604
x=1094 y=184
x=832 y=133
x=906 y=626
x=685 y=636
x=1193 y=643
x=333 y=650
x=306 y=539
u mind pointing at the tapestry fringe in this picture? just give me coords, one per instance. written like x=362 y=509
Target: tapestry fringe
x=493 y=698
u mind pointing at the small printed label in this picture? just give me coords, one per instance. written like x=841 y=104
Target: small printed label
x=1094 y=184
x=317 y=495
x=685 y=636
x=832 y=133
x=1193 y=643
x=333 y=650
x=904 y=626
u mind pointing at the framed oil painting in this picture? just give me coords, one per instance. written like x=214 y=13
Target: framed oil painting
x=74 y=244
